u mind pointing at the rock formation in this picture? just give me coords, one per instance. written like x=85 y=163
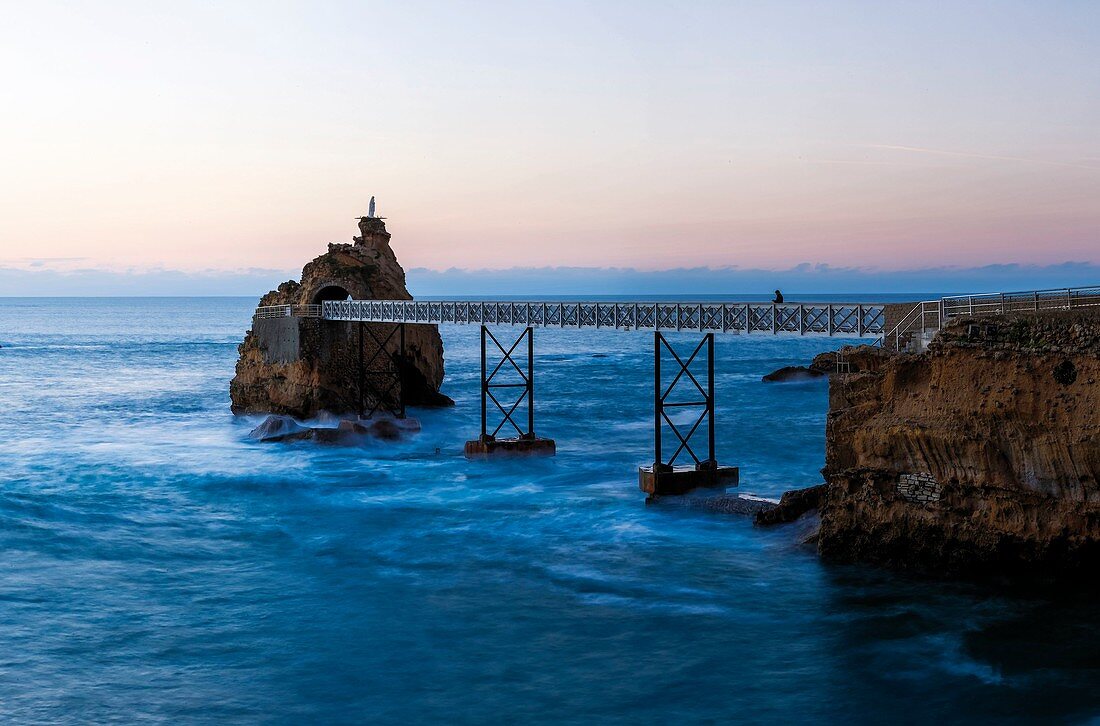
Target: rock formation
x=793 y=505
x=851 y=359
x=979 y=456
x=789 y=374
x=282 y=429
x=301 y=366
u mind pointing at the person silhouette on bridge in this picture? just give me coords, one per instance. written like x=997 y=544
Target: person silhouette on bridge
x=778 y=298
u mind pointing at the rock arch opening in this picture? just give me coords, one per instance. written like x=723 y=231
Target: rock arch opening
x=330 y=292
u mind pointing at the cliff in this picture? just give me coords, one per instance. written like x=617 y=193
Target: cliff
x=301 y=366
x=980 y=456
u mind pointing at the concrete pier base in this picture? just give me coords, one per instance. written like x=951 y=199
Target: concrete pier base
x=666 y=480
x=486 y=447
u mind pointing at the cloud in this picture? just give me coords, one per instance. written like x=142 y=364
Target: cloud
x=44 y=281
x=53 y=263
x=803 y=279
x=806 y=278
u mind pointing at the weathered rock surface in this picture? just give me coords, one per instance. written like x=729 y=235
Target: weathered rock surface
x=733 y=504
x=301 y=366
x=980 y=456
x=718 y=503
x=855 y=359
x=788 y=374
x=278 y=428
x=793 y=505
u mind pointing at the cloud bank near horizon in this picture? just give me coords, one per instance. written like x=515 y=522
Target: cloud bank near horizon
x=532 y=281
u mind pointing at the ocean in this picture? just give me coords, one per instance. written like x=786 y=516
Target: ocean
x=157 y=565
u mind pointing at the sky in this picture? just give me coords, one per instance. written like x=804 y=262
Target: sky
x=227 y=143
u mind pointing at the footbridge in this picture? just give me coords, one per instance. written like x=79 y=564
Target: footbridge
x=683 y=376
x=840 y=319
x=683 y=379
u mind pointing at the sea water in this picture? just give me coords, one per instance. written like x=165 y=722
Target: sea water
x=156 y=564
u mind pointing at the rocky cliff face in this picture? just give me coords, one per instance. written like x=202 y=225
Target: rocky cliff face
x=980 y=456
x=302 y=366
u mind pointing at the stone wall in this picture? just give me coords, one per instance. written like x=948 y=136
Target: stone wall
x=279 y=339
x=919 y=488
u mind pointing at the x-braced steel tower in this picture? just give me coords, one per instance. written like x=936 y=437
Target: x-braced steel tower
x=380 y=374
x=663 y=476
x=494 y=384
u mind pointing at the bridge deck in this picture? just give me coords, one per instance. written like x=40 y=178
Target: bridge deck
x=836 y=319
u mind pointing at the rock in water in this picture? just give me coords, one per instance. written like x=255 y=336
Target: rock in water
x=849 y=359
x=301 y=366
x=787 y=374
x=793 y=505
x=733 y=504
x=385 y=429
x=279 y=428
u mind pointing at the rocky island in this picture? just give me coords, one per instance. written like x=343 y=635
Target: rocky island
x=301 y=366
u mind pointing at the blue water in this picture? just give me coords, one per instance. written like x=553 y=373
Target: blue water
x=156 y=565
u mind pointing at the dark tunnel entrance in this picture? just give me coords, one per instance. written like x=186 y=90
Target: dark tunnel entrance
x=331 y=292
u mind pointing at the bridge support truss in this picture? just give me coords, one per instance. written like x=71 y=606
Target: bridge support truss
x=493 y=383
x=664 y=477
x=380 y=373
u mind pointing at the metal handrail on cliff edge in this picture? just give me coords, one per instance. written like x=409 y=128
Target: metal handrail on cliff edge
x=990 y=303
x=906 y=326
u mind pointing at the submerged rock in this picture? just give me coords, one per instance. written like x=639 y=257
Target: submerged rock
x=787 y=374
x=721 y=503
x=793 y=505
x=279 y=428
x=733 y=504
x=382 y=427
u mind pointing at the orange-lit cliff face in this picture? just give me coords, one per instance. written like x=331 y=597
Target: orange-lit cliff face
x=980 y=456
x=302 y=366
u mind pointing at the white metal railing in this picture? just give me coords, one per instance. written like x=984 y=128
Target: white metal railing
x=996 y=303
x=288 y=311
x=931 y=315
x=852 y=320
x=924 y=317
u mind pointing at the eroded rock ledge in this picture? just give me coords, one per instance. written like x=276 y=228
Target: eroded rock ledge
x=980 y=456
x=304 y=366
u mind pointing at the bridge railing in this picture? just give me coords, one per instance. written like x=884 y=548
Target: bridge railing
x=288 y=311
x=836 y=319
x=923 y=317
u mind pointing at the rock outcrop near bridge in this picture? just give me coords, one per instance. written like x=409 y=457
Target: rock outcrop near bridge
x=301 y=366
x=980 y=456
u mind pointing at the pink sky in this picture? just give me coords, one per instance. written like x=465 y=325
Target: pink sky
x=607 y=134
